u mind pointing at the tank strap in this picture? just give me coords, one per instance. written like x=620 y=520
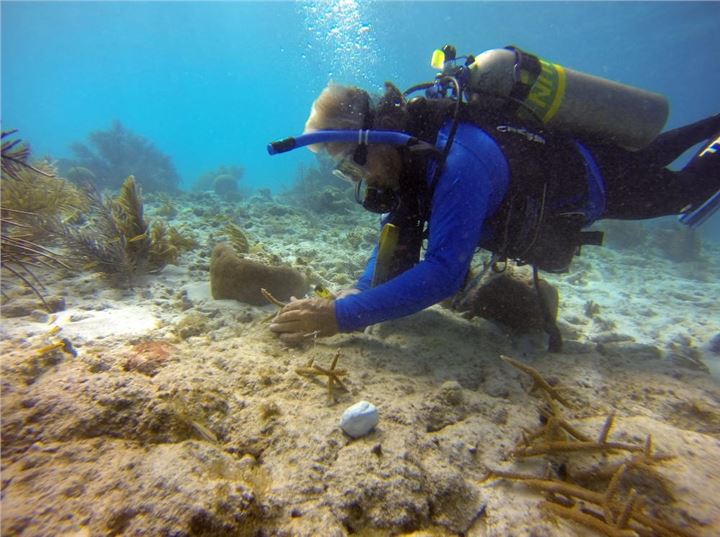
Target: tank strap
x=526 y=70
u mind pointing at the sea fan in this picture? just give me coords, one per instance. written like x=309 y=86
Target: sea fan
x=115 y=238
x=19 y=253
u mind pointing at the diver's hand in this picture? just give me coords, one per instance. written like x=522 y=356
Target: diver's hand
x=303 y=319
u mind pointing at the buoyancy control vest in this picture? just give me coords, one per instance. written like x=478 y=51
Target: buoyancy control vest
x=540 y=220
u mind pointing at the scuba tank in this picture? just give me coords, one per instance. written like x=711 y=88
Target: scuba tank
x=517 y=83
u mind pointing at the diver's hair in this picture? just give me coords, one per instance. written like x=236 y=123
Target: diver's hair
x=344 y=107
x=390 y=114
x=337 y=107
x=391 y=110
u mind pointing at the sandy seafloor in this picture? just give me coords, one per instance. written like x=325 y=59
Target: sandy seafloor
x=212 y=432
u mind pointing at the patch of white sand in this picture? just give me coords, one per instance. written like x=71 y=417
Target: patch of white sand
x=120 y=320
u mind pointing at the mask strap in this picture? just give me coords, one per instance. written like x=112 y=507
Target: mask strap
x=358 y=186
x=360 y=154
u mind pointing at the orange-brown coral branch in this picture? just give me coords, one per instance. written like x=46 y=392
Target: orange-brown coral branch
x=538 y=379
x=332 y=374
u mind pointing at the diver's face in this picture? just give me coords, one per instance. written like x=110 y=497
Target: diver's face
x=381 y=170
x=347 y=170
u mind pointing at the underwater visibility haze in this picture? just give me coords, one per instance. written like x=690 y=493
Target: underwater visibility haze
x=211 y=83
x=148 y=240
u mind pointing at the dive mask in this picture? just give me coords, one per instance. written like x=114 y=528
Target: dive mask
x=373 y=199
x=378 y=200
x=348 y=170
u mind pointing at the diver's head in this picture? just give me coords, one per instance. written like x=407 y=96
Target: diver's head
x=345 y=107
x=338 y=108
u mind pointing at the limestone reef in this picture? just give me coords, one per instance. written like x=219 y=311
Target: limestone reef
x=155 y=409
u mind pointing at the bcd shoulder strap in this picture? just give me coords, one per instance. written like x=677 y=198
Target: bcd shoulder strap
x=540 y=220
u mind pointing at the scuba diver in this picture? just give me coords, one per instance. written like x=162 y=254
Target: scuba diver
x=505 y=152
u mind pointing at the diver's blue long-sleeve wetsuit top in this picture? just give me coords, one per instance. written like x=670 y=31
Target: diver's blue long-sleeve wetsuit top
x=470 y=189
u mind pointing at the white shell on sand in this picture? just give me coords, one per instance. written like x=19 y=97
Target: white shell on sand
x=359 y=419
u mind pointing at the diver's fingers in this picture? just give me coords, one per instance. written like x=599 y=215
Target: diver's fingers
x=292 y=340
x=306 y=309
x=294 y=304
x=288 y=325
x=292 y=315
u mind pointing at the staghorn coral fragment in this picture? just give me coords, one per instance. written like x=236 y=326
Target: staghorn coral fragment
x=527 y=449
x=581 y=443
x=548 y=485
x=624 y=517
x=202 y=432
x=585 y=519
x=565 y=446
x=312 y=369
x=538 y=380
x=64 y=345
x=615 y=517
x=562 y=423
x=641 y=463
x=605 y=431
x=270 y=298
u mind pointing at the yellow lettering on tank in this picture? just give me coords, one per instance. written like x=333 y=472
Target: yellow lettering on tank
x=559 y=93
x=548 y=91
x=540 y=95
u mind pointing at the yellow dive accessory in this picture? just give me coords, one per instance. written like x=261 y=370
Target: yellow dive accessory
x=322 y=292
x=438 y=60
x=386 y=250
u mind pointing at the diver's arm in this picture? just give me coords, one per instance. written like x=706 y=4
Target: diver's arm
x=459 y=208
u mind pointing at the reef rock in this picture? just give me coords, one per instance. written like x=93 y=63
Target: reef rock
x=241 y=279
x=509 y=299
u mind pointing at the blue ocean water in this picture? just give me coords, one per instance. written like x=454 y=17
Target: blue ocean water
x=211 y=83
